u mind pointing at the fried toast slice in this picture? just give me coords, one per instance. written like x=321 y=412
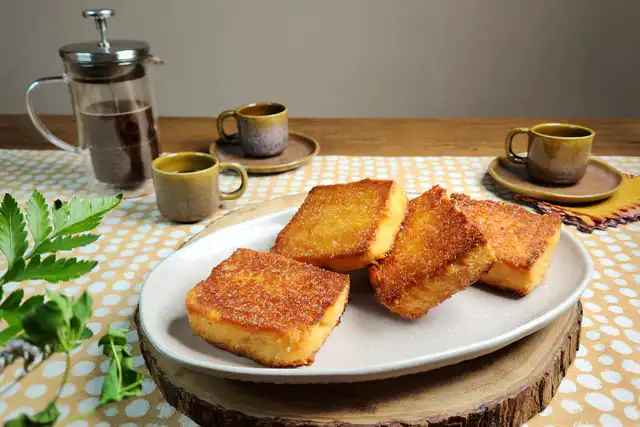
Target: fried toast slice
x=344 y=227
x=523 y=241
x=437 y=253
x=267 y=307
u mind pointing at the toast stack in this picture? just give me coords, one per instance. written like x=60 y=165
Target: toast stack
x=279 y=307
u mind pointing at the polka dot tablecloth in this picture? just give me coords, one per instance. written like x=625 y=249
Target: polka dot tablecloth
x=602 y=388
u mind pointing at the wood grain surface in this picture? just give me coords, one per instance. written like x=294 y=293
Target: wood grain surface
x=504 y=388
x=373 y=137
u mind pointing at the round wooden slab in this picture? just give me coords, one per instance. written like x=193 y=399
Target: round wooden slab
x=300 y=150
x=505 y=388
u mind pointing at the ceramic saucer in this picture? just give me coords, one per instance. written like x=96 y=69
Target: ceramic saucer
x=599 y=182
x=300 y=150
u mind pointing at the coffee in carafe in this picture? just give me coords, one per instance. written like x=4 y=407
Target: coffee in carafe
x=121 y=136
x=110 y=88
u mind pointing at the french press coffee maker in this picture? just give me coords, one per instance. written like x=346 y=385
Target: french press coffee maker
x=112 y=103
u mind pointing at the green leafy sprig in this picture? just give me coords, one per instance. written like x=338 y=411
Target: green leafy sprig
x=122 y=379
x=69 y=220
x=45 y=325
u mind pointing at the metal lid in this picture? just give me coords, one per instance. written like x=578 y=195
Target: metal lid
x=118 y=51
x=104 y=51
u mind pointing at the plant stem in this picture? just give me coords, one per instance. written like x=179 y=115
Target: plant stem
x=116 y=360
x=131 y=386
x=30 y=254
x=33 y=250
x=65 y=376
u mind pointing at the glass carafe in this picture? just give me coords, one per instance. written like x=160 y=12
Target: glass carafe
x=113 y=106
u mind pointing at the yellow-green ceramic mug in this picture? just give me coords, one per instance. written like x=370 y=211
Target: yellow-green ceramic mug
x=557 y=153
x=187 y=188
x=263 y=128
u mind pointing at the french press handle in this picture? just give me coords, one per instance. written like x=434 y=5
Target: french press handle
x=36 y=120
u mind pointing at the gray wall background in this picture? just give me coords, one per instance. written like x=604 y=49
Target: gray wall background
x=350 y=58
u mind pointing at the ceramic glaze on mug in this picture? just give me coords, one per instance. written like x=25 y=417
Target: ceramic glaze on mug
x=557 y=152
x=263 y=128
x=186 y=185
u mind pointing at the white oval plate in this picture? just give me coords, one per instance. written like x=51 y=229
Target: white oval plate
x=370 y=343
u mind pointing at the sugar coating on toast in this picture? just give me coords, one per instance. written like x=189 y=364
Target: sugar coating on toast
x=344 y=226
x=523 y=241
x=437 y=253
x=265 y=306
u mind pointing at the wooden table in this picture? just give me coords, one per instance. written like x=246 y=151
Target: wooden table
x=532 y=385
x=375 y=137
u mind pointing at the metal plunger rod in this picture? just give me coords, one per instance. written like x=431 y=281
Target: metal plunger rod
x=100 y=16
x=101 y=24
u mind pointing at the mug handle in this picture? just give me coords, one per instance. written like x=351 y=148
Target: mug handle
x=233 y=195
x=513 y=157
x=220 y=120
x=36 y=120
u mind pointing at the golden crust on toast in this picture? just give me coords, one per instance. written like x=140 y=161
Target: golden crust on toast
x=523 y=241
x=344 y=227
x=437 y=253
x=267 y=307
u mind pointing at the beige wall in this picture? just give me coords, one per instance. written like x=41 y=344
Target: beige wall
x=351 y=58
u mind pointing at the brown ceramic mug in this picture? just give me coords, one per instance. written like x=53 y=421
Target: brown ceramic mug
x=557 y=153
x=187 y=188
x=263 y=128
